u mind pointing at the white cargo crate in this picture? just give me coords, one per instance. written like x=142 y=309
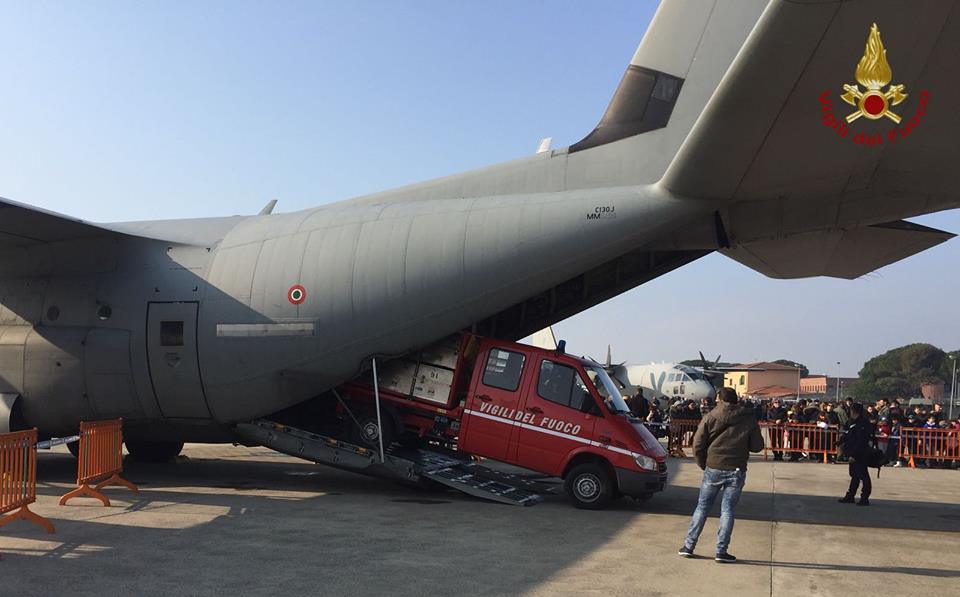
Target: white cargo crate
x=433 y=384
x=442 y=354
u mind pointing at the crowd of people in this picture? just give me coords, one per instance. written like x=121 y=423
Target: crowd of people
x=888 y=419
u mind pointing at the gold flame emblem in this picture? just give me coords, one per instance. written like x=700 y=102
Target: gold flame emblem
x=873 y=72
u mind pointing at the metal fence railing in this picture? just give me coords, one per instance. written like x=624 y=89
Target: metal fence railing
x=18 y=478
x=100 y=460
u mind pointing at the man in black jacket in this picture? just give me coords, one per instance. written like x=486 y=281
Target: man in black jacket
x=777 y=415
x=858 y=443
x=638 y=405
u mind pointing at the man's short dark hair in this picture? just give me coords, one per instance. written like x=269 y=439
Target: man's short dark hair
x=728 y=395
x=857 y=408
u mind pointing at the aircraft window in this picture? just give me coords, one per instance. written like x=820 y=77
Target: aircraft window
x=171 y=333
x=503 y=369
x=686 y=377
x=673 y=377
x=562 y=384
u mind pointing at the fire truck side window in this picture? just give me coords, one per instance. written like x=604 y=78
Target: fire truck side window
x=561 y=384
x=503 y=369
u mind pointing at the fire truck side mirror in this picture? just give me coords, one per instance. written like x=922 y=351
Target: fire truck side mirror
x=562 y=346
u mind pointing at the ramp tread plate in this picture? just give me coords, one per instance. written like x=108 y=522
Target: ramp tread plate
x=519 y=481
x=469 y=483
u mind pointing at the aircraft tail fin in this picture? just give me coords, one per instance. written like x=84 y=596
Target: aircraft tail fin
x=682 y=57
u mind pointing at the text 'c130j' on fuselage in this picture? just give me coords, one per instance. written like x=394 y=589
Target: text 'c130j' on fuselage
x=710 y=143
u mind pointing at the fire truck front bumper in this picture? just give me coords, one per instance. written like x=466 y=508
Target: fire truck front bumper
x=640 y=483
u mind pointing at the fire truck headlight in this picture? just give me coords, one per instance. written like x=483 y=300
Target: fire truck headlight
x=645 y=462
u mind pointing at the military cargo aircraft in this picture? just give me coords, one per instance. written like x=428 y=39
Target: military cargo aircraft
x=793 y=137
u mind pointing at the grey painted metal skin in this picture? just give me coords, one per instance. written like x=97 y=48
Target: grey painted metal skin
x=742 y=165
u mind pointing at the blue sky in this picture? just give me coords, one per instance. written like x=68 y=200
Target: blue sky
x=116 y=111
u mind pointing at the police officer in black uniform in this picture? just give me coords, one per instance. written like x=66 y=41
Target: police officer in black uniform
x=638 y=405
x=858 y=442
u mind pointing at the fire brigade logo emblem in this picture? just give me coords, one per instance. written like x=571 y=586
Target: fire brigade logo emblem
x=873 y=73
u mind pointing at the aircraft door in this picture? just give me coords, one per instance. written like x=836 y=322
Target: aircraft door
x=492 y=409
x=172 y=356
x=555 y=422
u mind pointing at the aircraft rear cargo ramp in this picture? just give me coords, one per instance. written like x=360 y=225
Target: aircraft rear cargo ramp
x=455 y=471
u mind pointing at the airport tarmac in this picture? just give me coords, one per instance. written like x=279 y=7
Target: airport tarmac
x=230 y=520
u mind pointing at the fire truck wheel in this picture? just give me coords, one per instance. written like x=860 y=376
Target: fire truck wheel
x=369 y=431
x=154 y=451
x=589 y=486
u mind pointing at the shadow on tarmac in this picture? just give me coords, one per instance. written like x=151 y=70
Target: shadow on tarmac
x=820 y=510
x=932 y=572
x=202 y=524
x=265 y=474
x=209 y=524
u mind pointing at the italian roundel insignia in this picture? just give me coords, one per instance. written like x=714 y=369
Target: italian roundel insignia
x=297 y=294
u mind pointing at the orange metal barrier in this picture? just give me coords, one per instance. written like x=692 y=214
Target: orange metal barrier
x=18 y=478
x=929 y=444
x=100 y=459
x=796 y=438
x=680 y=435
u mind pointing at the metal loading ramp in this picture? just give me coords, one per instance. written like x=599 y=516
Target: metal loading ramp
x=464 y=475
x=449 y=469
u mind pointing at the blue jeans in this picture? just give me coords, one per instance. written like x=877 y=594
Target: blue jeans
x=716 y=482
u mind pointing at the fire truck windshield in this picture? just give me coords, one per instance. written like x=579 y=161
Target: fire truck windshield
x=607 y=389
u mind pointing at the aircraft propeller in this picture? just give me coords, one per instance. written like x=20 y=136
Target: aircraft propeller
x=710 y=370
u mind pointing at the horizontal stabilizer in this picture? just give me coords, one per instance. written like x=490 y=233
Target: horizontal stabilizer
x=22 y=225
x=837 y=253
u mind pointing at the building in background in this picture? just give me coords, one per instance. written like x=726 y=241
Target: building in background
x=933 y=390
x=823 y=387
x=764 y=380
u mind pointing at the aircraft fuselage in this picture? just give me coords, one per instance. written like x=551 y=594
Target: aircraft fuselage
x=285 y=306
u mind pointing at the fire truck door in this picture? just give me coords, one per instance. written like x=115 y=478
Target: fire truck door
x=554 y=423
x=492 y=408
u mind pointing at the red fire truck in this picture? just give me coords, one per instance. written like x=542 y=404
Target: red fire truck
x=542 y=410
